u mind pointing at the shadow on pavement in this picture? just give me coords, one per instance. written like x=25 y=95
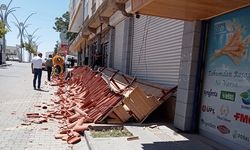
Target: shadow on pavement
x=177 y=145
x=41 y=90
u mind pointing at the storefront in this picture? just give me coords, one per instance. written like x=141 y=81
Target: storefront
x=225 y=108
x=97 y=47
x=120 y=42
x=157 y=44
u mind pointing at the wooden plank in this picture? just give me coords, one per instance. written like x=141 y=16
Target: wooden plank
x=113 y=115
x=114 y=121
x=133 y=109
x=167 y=97
x=197 y=9
x=121 y=113
x=140 y=100
x=110 y=111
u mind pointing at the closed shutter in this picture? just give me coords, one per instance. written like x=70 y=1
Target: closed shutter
x=121 y=45
x=118 y=48
x=158 y=58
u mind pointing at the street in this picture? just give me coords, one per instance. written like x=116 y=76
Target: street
x=17 y=98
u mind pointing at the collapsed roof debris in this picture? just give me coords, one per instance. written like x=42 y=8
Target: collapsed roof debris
x=86 y=97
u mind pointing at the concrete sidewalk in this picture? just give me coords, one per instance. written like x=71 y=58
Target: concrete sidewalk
x=5 y=65
x=161 y=137
x=17 y=98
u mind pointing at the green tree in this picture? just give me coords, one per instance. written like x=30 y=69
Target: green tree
x=31 y=47
x=3 y=29
x=62 y=24
x=56 y=47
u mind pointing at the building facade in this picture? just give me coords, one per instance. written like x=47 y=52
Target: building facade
x=12 y=53
x=204 y=52
x=213 y=81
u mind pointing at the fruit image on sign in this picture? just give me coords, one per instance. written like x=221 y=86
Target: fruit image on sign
x=245 y=97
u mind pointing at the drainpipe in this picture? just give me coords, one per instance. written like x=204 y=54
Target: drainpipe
x=199 y=77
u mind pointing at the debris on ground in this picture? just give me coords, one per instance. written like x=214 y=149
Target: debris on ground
x=153 y=126
x=87 y=97
x=132 y=138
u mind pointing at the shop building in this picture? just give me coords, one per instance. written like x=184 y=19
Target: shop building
x=201 y=46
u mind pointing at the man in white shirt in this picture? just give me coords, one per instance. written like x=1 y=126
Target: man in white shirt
x=36 y=66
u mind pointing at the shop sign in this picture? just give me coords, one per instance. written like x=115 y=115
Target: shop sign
x=208 y=124
x=226 y=86
x=245 y=97
x=223 y=113
x=223 y=129
x=226 y=95
x=210 y=93
x=206 y=108
x=240 y=136
x=242 y=118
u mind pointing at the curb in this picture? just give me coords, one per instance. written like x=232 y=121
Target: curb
x=5 y=65
x=88 y=140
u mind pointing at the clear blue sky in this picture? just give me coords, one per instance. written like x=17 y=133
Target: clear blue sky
x=44 y=19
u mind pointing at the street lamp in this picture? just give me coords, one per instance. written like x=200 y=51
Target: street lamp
x=5 y=10
x=21 y=28
x=32 y=45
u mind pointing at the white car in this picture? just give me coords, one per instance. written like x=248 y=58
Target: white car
x=68 y=59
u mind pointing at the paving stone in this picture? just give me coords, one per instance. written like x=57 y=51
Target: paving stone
x=17 y=98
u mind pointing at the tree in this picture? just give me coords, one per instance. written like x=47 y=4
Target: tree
x=62 y=24
x=3 y=29
x=31 y=47
x=56 y=47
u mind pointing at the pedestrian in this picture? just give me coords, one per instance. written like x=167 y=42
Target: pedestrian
x=97 y=60
x=49 y=66
x=72 y=62
x=36 y=66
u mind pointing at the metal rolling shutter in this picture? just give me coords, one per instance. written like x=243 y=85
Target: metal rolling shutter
x=158 y=60
x=118 y=48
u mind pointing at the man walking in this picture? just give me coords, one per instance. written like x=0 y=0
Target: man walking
x=49 y=65
x=36 y=66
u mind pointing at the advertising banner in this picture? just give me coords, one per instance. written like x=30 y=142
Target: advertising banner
x=225 y=109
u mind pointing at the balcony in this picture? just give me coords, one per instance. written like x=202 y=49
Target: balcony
x=185 y=9
x=76 y=17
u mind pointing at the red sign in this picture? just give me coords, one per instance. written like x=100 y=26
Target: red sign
x=242 y=118
x=205 y=108
x=223 y=129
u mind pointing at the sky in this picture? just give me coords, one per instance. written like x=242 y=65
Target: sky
x=44 y=18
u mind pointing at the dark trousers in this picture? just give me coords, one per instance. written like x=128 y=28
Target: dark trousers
x=49 y=70
x=37 y=74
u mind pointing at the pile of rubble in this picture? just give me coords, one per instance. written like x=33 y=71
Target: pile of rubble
x=85 y=97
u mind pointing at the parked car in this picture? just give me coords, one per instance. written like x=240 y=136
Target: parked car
x=13 y=58
x=68 y=59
